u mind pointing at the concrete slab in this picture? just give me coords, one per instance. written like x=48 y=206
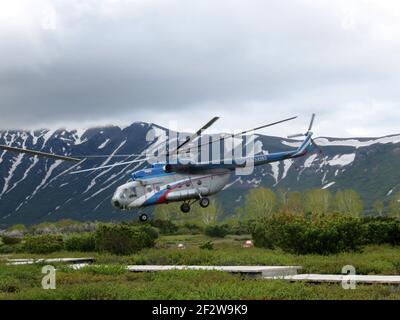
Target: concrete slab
x=49 y=261
x=258 y=271
x=333 y=278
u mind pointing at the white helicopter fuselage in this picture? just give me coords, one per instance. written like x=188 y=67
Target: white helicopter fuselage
x=158 y=187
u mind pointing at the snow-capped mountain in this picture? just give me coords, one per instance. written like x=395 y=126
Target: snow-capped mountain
x=35 y=189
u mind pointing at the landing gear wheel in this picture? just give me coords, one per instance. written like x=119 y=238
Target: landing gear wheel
x=204 y=202
x=143 y=217
x=185 y=207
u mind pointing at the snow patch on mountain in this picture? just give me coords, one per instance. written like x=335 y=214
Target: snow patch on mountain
x=275 y=171
x=46 y=136
x=103 y=144
x=34 y=162
x=47 y=176
x=10 y=175
x=342 y=160
x=286 y=166
x=355 y=143
x=330 y=184
x=78 y=134
x=309 y=161
x=232 y=183
x=325 y=142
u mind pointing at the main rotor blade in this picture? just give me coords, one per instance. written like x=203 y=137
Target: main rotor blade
x=311 y=122
x=197 y=134
x=296 y=136
x=40 y=153
x=109 y=156
x=125 y=163
x=244 y=132
x=265 y=126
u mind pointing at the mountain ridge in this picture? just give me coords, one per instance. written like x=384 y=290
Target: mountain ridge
x=34 y=190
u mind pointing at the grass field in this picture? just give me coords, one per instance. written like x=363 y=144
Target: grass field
x=113 y=282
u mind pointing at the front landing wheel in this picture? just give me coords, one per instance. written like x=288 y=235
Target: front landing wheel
x=204 y=202
x=185 y=207
x=143 y=217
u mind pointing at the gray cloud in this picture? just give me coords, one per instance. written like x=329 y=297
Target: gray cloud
x=68 y=63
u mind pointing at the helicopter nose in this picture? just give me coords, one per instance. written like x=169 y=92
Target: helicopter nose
x=116 y=203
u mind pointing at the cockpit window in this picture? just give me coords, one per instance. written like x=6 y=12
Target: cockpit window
x=124 y=193
x=128 y=193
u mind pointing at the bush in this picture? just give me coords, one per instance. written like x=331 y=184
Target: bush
x=124 y=239
x=165 y=226
x=382 y=230
x=6 y=248
x=17 y=227
x=209 y=245
x=43 y=244
x=317 y=233
x=9 y=285
x=190 y=228
x=8 y=240
x=218 y=231
x=83 y=242
x=150 y=234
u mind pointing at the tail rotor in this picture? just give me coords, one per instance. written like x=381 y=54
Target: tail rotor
x=307 y=134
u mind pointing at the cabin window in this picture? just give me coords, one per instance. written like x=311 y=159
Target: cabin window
x=199 y=182
x=149 y=189
x=157 y=188
x=168 y=187
x=132 y=192
x=188 y=184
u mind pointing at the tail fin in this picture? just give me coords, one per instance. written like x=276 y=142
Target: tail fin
x=303 y=149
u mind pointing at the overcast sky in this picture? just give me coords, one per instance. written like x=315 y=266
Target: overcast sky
x=70 y=63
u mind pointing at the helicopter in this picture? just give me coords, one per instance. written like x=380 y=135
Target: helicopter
x=190 y=181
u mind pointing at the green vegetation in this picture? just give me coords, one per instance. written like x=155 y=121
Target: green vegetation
x=124 y=239
x=219 y=231
x=315 y=229
x=209 y=245
x=382 y=230
x=85 y=242
x=88 y=285
x=316 y=233
x=43 y=244
x=112 y=281
x=9 y=240
x=394 y=205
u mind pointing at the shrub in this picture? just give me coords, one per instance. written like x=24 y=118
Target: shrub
x=381 y=230
x=150 y=234
x=165 y=226
x=43 y=244
x=44 y=228
x=124 y=239
x=9 y=240
x=190 y=228
x=240 y=228
x=218 y=231
x=17 y=227
x=83 y=242
x=317 y=233
x=9 y=285
x=4 y=249
x=209 y=245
